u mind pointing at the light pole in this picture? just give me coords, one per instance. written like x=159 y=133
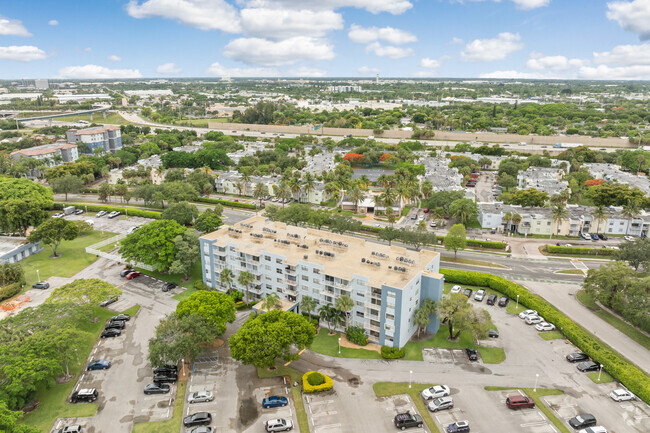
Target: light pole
x=536 y=378
x=339 y=345
x=38 y=275
x=517 y=302
x=600 y=372
x=410 y=376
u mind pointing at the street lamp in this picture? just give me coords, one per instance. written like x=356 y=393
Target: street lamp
x=600 y=372
x=536 y=378
x=517 y=302
x=38 y=275
x=410 y=376
x=339 y=345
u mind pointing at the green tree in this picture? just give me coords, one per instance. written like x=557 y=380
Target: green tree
x=11 y=273
x=608 y=281
x=245 y=279
x=266 y=337
x=187 y=253
x=83 y=292
x=67 y=184
x=422 y=315
x=9 y=421
x=270 y=302
x=344 y=304
x=507 y=181
x=153 y=244
x=630 y=211
x=454 y=311
x=308 y=304
x=23 y=204
x=260 y=191
x=105 y=191
x=464 y=210
x=456 y=239
x=516 y=220
x=559 y=213
x=600 y=214
x=183 y=213
x=54 y=231
x=529 y=197
x=636 y=253
x=217 y=308
x=389 y=234
x=342 y=224
x=208 y=221
x=328 y=314
x=175 y=192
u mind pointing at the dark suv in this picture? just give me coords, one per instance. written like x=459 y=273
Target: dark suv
x=86 y=395
x=519 y=402
x=588 y=366
x=491 y=299
x=577 y=357
x=168 y=286
x=407 y=420
x=503 y=301
x=167 y=370
x=472 y=354
x=583 y=420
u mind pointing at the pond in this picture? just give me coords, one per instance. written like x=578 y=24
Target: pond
x=371 y=173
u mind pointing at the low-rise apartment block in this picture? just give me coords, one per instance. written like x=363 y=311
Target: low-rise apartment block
x=108 y=138
x=613 y=173
x=52 y=154
x=543 y=179
x=232 y=182
x=386 y=283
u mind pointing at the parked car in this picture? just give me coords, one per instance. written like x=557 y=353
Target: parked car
x=458 y=427
x=588 y=366
x=156 y=388
x=407 y=420
x=519 y=402
x=603 y=236
x=435 y=391
x=58 y=215
x=441 y=403
x=169 y=286
x=576 y=357
x=200 y=397
x=414 y=217
x=456 y=289
x=108 y=302
x=84 y=395
x=117 y=324
x=491 y=299
x=629 y=238
x=503 y=301
x=493 y=333
x=114 y=214
x=132 y=275
x=41 y=285
x=433 y=224
x=594 y=237
x=585 y=236
x=132 y=229
x=472 y=354
x=594 y=429
x=426 y=210
x=69 y=429
x=199 y=418
x=202 y=429
x=527 y=313
x=621 y=395
x=533 y=320
x=109 y=333
x=166 y=369
x=278 y=424
x=79 y=212
x=124 y=317
x=468 y=292
x=100 y=214
x=126 y=272
x=165 y=378
x=583 y=420
x=544 y=326
x=274 y=401
x=480 y=294
x=99 y=365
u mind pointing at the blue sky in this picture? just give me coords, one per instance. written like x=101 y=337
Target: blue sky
x=583 y=39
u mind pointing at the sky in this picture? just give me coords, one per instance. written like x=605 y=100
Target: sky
x=539 y=39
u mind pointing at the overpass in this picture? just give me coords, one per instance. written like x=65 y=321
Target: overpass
x=101 y=109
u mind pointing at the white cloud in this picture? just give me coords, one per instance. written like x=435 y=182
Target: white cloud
x=95 y=71
x=264 y=52
x=168 y=69
x=625 y=55
x=425 y=74
x=12 y=27
x=540 y=62
x=429 y=63
x=23 y=53
x=114 y=58
x=305 y=71
x=367 y=70
x=456 y=40
x=632 y=16
x=389 y=51
x=531 y=4
x=53 y=22
x=394 y=7
x=365 y=35
x=487 y=50
x=218 y=70
x=202 y=14
x=604 y=72
x=284 y=23
x=88 y=49
x=513 y=74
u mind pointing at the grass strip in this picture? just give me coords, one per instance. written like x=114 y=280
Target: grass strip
x=329 y=345
x=296 y=393
x=386 y=389
x=551 y=335
x=471 y=262
x=172 y=425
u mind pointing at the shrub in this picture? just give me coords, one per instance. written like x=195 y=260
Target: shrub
x=199 y=285
x=553 y=249
x=371 y=229
x=96 y=208
x=236 y=295
x=325 y=385
x=388 y=352
x=627 y=373
x=481 y=244
x=356 y=335
x=226 y=202
x=9 y=291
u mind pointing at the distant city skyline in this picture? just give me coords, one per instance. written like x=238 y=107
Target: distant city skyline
x=535 y=39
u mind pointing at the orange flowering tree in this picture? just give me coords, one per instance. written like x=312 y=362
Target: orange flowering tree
x=353 y=157
x=593 y=182
x=386 y=157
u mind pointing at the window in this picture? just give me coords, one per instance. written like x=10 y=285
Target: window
x=278 y=261
x=359 y=314
x=390 y=317
x=267 y=258
x=279 y=280
x=267 y=267
x=305 y=278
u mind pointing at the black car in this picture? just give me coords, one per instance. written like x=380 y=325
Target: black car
x=472 y=354
x=125 y=317
x=491 y=299
x=468 y=292
x=161 y=378
x=166 y=370
x=493 y=333
x=126 y=272
x=577 y=357
x=407 y=420
x=588 y=366
x=583 y=420
x=86 y=395
x=603 y=236
x=111 y=332
x=199 y=418
x=117 y=324
x=169 y=286
x=503 y=301
x=156 y=388
x=108 y=302
x=41 y=285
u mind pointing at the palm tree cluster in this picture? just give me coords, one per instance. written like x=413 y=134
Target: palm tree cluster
x=334 y=315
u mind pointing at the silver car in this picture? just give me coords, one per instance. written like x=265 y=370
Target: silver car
x=200 y=397
x=279 y=424
x=441 y=403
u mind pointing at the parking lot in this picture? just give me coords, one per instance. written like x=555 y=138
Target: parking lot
x=398 y=404
x=119 y=225
x=444 y=356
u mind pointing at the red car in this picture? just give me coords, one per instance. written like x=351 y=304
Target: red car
x=519 y=402
x=133 y=275
x=426 y=210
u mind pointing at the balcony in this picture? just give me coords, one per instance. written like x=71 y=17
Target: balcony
x=291 y=282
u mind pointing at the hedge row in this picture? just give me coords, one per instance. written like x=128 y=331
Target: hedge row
x=388 y=352
x=90 y=190
x=371 y=229
x=226 y=202
x=315 y=376
x=9 y=291
x=125 y=210
x=627 y=373
x=580 y=251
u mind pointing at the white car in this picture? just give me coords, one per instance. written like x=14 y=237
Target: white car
x=629 y=238
x=480 y=294
x=544 y=326
x=621 y=395
x=58 y=215
x=200 y=397
x=532 y=320
x=435 y=392
x=527 y=313
x=594 y=429
x=279 y=424
x=456 y=289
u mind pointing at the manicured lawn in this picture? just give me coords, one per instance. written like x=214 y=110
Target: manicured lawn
x=604 y=377
x=571 y=271
x=385 y=389
x=490 y=355
x=470 y=262
x=329 y=345
x=172 y=425
x=512 y=307
x=296 y=376
x=73 y=258
x=52 y=401
x=112 y=118
x=552 y=335
x=536 y=395
x=627 y=329
x=195 y=275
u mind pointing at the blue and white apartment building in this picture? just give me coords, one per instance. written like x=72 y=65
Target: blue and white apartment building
x=107 y=137
x=386 y=283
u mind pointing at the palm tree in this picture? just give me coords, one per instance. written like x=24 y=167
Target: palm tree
x=383 y=180
x=240 y=187
x=363 y=182
x=426 y=189
x=344 y=304
x=260 y=191
x=402 y=192
x=226 y=278
x=270 y=302
x=516 y=220
x=559 y=213
x=327 y=313
x=294 y=186
x=308 y=183
x=630 y=210
x=283 y=192
x=388 y=197
x=357 y=196
x=245 y=179
x=245 y=278
x=506 y=219
x=600 y=213
x=308 y=304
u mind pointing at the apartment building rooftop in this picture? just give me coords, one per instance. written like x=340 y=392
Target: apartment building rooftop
x=97 y=130
x=340 y=256
x=44 y=149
